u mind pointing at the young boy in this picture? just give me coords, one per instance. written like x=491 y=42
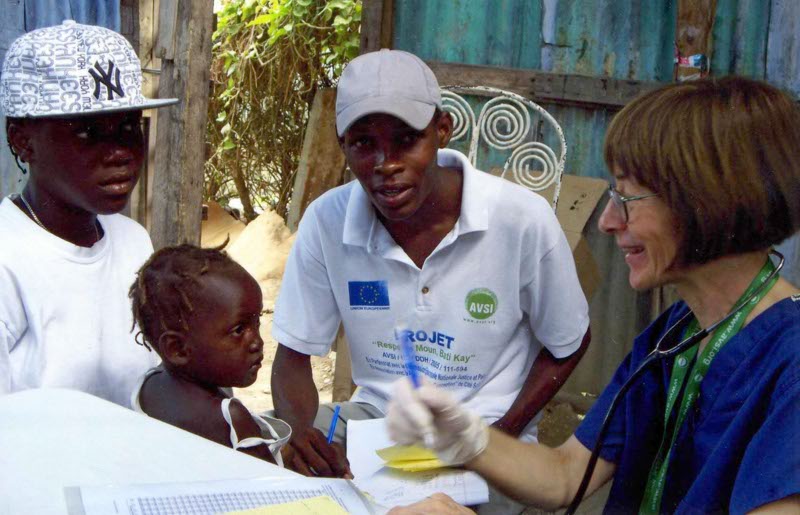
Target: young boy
x=422 y=237
x=73 y=102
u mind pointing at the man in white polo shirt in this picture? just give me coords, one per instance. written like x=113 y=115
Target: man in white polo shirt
x=477 y=268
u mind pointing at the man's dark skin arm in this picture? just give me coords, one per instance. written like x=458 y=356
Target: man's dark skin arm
x=546 y=377
x=296 y=401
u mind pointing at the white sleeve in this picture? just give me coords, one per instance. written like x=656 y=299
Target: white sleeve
x=7 y=340
x=12 y=324
x=551 y=293
x=306 y=314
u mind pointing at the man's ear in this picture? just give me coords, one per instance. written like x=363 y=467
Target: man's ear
x=444 y=128
x=175 y=348
x=19 y=140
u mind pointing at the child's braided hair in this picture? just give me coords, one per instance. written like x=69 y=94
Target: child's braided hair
x=162 y=294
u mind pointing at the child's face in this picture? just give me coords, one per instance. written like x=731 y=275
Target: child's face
x=224 y=342
x=394 y=162
x=88 y=162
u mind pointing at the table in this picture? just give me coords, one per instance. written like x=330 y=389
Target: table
x=52 y=438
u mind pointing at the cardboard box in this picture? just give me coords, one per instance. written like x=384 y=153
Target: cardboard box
x=578 y=199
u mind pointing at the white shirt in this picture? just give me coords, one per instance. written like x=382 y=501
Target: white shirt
x=499 y=283
x=65 y=317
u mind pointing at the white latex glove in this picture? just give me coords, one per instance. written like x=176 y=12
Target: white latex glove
x=432 y=417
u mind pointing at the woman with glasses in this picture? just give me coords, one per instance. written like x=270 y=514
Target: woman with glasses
x=706 y=407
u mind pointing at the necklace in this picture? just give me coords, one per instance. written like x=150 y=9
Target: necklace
x=40 y=224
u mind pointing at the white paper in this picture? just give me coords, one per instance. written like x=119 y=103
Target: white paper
x=204 y=497
x=391 y=487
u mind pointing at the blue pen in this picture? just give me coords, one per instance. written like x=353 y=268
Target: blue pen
x=332 y=429
x=401 y=334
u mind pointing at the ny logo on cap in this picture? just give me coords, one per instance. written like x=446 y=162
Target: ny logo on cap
x=104 y=78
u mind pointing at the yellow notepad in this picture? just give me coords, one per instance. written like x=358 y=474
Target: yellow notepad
x=322 y=505
x=410 y=458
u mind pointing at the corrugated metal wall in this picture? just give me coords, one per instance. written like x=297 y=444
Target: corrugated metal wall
x=623 y=39
x=783 y=69
x=18 y=17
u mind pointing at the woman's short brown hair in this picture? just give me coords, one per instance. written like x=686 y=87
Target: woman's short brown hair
x=724 y=154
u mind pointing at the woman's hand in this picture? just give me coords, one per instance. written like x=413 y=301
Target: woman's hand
x=436 y=503
x=432 y=417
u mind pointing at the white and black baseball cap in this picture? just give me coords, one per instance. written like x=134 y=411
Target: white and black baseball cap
x=387 y=81
x=72 y=70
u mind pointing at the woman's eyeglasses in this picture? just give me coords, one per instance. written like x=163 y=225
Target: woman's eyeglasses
x=621 y=202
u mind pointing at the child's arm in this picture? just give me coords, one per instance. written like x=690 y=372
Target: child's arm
x=196 y=410
x=246 y=427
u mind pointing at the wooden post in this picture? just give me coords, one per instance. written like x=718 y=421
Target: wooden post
x=693 y=38
x=377 y=25
x=143 y=14
x=321 y=160
x=184 y=47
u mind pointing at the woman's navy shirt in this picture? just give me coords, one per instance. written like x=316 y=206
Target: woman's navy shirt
x=739 y=447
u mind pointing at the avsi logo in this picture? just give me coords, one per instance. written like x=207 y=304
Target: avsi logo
x=481 y=303
x=104 y=78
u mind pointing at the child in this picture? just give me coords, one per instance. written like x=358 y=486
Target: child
x=201 y=312
x=73 y=101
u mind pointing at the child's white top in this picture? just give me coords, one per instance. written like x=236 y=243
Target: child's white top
x=65 y=317
x=275 y=432
x=498 y=287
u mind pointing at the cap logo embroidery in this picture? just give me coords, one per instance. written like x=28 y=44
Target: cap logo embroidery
x=104 y=78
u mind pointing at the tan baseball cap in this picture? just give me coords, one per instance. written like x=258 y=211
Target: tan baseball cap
x=387 y=81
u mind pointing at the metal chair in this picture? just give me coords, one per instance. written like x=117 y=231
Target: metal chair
x=513 y=125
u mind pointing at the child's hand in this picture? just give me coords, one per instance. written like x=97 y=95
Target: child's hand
x=309 y=453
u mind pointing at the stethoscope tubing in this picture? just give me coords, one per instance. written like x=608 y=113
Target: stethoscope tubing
x=655 y=355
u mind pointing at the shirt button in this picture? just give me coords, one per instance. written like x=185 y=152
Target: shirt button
x=425 y=290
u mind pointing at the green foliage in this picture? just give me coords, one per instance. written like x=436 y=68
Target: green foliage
x=269 y=59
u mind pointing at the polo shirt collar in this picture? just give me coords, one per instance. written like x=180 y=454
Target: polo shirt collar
x=362 y=227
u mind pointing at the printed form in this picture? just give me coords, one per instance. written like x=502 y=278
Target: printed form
x=205 y=497
x=391 y=487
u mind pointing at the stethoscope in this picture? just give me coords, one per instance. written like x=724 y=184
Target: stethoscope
x=654 y=356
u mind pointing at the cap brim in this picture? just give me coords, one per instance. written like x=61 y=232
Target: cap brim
x=149 y=103
x=416 y=114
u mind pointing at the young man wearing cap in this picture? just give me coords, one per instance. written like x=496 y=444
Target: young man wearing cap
x=476 y=267
x=73 y=102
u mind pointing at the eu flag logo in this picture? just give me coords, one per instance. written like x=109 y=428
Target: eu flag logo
x=370 y=294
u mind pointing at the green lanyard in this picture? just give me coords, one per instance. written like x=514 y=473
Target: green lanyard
x=651 y=503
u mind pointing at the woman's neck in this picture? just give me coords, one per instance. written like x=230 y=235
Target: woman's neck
x=712 y=290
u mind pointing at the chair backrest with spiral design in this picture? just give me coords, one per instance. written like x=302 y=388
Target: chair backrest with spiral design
x=517 y=129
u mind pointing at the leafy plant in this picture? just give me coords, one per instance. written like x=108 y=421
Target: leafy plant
x=269 y=59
